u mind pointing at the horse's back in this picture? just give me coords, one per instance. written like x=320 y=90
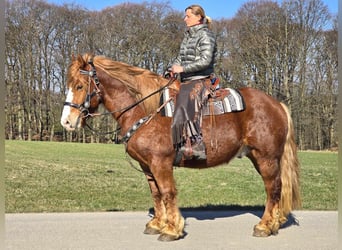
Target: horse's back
x=257 y=97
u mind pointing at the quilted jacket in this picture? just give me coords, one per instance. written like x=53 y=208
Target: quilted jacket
x=197 y=53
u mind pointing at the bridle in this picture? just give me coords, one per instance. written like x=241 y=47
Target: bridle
x=84 y=107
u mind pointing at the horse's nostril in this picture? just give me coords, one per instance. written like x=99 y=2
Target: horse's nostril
x=65 y=122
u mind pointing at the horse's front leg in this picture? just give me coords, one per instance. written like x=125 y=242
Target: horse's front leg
x=159 y=220
x=166 y=208
x=175 y=221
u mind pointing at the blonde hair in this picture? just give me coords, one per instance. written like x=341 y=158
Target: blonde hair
x=198 y=10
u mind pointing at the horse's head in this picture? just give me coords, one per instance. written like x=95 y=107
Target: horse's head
x=83 y=93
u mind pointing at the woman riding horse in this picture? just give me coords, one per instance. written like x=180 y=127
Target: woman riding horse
x=195 y=63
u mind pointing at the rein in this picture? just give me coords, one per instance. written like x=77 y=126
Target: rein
x=123 y=110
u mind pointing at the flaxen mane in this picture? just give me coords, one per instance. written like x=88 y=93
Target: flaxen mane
x=140 y=82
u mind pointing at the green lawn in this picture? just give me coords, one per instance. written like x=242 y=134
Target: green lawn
x=73 y=177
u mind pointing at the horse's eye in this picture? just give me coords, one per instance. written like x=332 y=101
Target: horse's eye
x=79 y=87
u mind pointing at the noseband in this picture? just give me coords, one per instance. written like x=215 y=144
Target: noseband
x=84 y=107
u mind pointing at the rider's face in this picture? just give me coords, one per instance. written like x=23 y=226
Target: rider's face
x=190 y=19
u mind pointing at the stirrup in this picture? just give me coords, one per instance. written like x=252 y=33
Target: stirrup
x=198 y=151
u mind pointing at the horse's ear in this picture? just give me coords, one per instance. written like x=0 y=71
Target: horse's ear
x=80 y=59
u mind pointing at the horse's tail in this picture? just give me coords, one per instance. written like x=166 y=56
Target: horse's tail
x=289 y=164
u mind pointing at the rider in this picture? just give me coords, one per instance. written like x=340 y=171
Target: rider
x=195 y=64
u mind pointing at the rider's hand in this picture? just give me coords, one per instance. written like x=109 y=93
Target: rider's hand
x=177 y=69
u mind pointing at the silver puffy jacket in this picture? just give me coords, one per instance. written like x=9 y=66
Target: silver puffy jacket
x=197 y=53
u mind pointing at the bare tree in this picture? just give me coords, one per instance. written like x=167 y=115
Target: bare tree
x=145 y=35
x=310 y=17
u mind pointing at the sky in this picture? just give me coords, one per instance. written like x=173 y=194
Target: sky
x=216 y=9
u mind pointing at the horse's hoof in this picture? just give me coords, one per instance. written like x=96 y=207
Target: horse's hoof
x=167 y=237
x=275 y=231
x=151 y=231
x=261 y=231
x=282 y=220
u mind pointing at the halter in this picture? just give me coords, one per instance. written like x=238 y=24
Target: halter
x=84 y=107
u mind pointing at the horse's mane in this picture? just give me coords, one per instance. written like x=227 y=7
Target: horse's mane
x=139 y=82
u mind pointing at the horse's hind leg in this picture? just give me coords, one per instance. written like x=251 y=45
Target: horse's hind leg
x=158 y=222
x=270 y=221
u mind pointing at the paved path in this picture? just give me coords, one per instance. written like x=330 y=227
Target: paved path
x=315 y=230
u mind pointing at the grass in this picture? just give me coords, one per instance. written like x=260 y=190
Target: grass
x=73 y=177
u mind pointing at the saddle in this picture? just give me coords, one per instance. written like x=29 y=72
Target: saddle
x=220 y=101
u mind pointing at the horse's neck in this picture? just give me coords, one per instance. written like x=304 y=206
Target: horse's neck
x=116 y=99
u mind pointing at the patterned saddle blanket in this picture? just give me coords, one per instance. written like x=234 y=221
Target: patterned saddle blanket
x=225 y=100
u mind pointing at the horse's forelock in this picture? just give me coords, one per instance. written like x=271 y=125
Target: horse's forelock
x=78 y=63
x=71 y=75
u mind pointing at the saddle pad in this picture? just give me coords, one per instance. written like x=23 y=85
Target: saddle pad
x=169 y=107
x=230 y=100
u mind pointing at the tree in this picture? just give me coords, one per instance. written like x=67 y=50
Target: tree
x=309 y=17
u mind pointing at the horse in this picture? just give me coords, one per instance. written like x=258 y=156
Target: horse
x=263 y=132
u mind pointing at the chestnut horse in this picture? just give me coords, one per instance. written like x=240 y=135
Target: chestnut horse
x=263 y=132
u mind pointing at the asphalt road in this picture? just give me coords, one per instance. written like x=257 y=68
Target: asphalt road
x=309 y=230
